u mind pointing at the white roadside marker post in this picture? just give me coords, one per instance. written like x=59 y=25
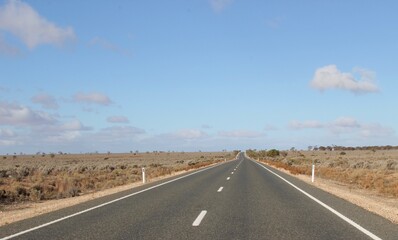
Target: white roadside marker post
x=143 y=175
x=313 y=172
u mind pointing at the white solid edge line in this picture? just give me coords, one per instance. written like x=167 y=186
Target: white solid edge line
x=354 y=224
x=103 y=204
x=199 y=219
x=220 y=189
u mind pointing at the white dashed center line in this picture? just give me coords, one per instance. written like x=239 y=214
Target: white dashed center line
x=199 y=219
x=228 y=178
x=220 y=189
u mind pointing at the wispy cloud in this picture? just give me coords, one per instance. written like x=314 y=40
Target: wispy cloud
x=21 y=20
x=45 y=100
x=329 y=77
x=219 y=5
x=105 y=44
x=305 y=124
x=7 y=143
x=375 y=130
x=116 y=134
x=117 y=119
x=92 y=98
x=4 y=133
x=189 y=134
x=345 y=125
x=241 y=134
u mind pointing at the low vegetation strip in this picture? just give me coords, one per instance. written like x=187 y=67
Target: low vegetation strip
x=33 y=178
x=363 y=168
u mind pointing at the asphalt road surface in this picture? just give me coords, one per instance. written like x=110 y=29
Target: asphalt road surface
x=239 y=199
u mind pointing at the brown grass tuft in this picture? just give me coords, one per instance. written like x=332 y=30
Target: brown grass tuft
x=26 y=178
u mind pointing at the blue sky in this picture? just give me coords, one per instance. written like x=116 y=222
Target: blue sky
x=85 y=76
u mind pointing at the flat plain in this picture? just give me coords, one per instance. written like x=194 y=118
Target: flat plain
x=34 y=184
x=34 y=178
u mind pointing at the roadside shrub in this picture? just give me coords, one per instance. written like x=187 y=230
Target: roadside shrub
x=43 y=179
x=273 y=153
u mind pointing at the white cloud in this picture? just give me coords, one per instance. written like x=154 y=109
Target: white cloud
x=117 y=119
x=306 y=124
x=35 y=128
x=7 y=143
x=241 y=134
x=24 y=22
x=375 y=130
x=346 y=122
x=74 y=125
x=329 y=77
x=7 y=133
x=219 y=5
x=45 y=100
x=14 y=114
x=92 y=98
x=116 y=134
x=189 y=134
x=66 y=131
x=346 y=126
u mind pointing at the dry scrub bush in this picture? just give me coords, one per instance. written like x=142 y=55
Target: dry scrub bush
x=370 y=170
x=37 y=179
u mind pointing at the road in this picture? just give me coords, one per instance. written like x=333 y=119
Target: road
x=239 y=199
